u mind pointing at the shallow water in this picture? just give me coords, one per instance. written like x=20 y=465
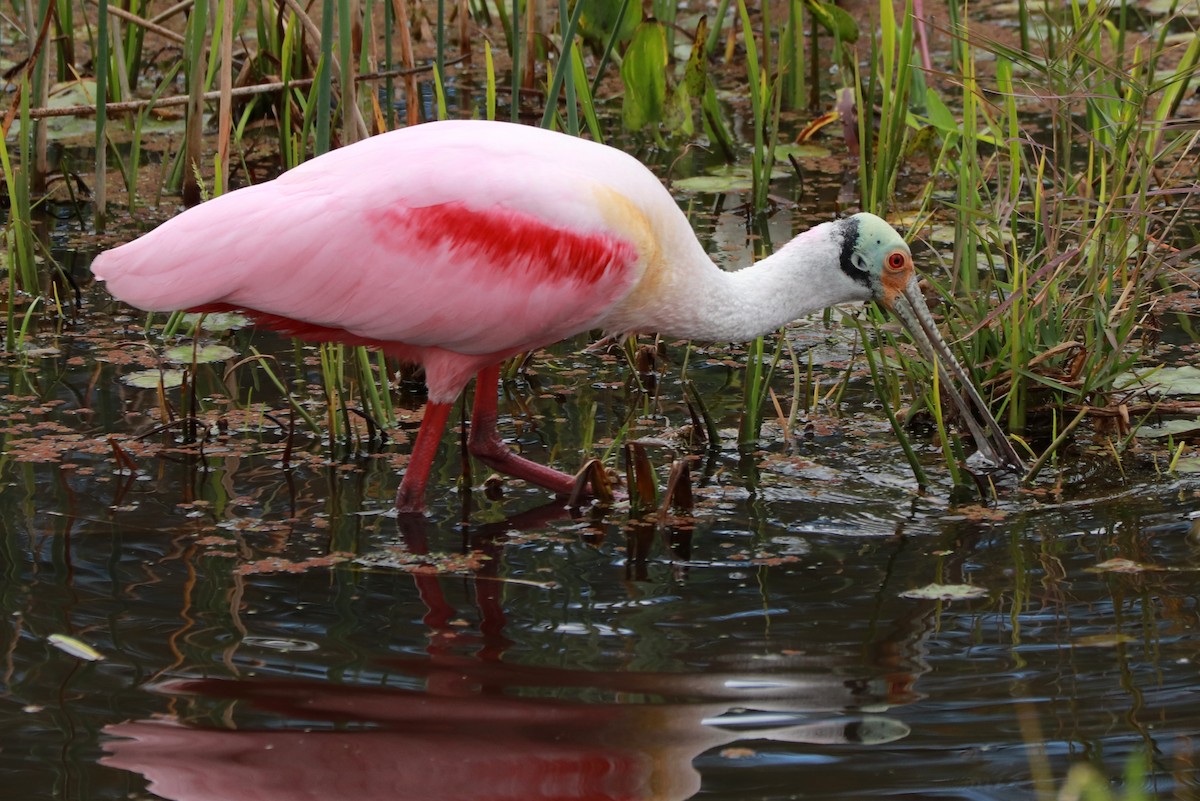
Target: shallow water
x=755 y=656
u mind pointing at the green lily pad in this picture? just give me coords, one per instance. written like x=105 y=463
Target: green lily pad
x=1182 y=8
x=204 y=354
x=83 y=93
x=1007 y=11
x=1119 y=565
x=723 y=179
x=946 y=592
x=805 y=151
x=1189 y=465
x=219 y=322
x=1169 y=428
x=714 y=184
x=1174 y=380
x=39 y=351
x=149 y=379
x=944 y=235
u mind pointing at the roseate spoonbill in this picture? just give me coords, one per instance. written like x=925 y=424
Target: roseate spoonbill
x=457 y=244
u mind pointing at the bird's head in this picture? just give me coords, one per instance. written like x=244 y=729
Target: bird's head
x=877 y=257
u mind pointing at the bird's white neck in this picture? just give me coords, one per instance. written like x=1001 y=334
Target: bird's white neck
x=709 y=304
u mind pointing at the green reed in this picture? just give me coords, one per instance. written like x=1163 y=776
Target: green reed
x=19 y=240
x=889 y=80
x=887 y=389
x=1056 y=253
x=791 y=58
x=324 y=75
x=765 y=99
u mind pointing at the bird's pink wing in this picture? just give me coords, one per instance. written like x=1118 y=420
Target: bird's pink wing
x=430 y=241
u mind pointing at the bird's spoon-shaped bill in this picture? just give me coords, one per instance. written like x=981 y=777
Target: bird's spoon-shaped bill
x=993 y=445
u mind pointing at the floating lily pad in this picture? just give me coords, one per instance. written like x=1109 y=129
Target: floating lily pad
x=1006 y=11
x=1169 y=428
x=83 y=93
x=39 y=351
x=1167 y=380
x=946 y=592
x=724 y=179
x=149 y=379
x=219 y=322
x=1182 y=8
x=1178 y=380
x=204 y=354
x=805 y=151
x=944 y=235
x=1123 y=566
x=1189 y=465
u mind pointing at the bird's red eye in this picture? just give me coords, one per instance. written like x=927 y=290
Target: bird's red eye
x=896 y=260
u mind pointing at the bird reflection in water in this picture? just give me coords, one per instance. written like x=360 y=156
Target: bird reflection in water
x=485 y=729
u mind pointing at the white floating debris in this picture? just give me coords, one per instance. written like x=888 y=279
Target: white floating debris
x=75 y=648
x=946 y=592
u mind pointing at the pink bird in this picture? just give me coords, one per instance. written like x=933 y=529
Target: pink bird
x=457 y=244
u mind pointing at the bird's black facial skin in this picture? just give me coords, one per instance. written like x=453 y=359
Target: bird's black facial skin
x=848 y=263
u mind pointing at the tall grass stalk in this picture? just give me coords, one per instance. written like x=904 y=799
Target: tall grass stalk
x=567 y=60
x=439 y=91
x=764 y=107
x=196 y=59
x=346 y=86
x=887 y=390
x=583 y=94
x=718 y=25
x=225 y=104
x=890 y=78
x=100 y=192
x=562 y=69
x=752 y=384
x=264 y=362
x=291 y=148
x=374 y=394
x=515 y=50
x=610 y=46
x=756 y=389
x=130 y=167
x=440 y=35
x=324 y=82
x=38 y=166
x=490 y=73
x=791 y=57
x=412 y=99
x=20 y=240
x=939 y=420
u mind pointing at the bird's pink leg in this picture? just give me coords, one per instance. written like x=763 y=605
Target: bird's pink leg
x=485 y=445
x=411 y=495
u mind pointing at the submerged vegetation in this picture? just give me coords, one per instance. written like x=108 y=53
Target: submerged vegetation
x=1049 y=164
